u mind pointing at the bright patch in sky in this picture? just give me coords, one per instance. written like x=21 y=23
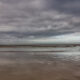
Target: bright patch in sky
x=67 y=38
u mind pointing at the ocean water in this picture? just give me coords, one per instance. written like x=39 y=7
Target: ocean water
x=72 y=49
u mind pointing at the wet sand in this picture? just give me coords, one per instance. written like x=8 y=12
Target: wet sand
x=39 y=66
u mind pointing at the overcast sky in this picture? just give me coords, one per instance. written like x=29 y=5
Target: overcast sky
x=38 y=18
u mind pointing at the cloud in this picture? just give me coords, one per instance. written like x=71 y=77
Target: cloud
x=7 y=28
x=66 y=6
x=38 y=18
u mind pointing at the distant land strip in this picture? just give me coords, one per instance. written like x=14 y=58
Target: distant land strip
x=40 y=45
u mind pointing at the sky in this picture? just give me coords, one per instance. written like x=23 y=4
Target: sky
x=31 y=19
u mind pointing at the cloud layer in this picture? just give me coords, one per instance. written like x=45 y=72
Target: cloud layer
x=38 y=18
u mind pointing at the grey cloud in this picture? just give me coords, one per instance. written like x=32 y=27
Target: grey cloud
x=39 y=18
x=64 y=6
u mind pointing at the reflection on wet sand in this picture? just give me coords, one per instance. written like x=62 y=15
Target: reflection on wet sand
x=39 y=66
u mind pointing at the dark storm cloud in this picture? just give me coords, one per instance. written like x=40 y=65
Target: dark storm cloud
x=39 y=18
x=66 y=6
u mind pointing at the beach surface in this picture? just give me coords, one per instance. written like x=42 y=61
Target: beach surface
x=39 y=65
